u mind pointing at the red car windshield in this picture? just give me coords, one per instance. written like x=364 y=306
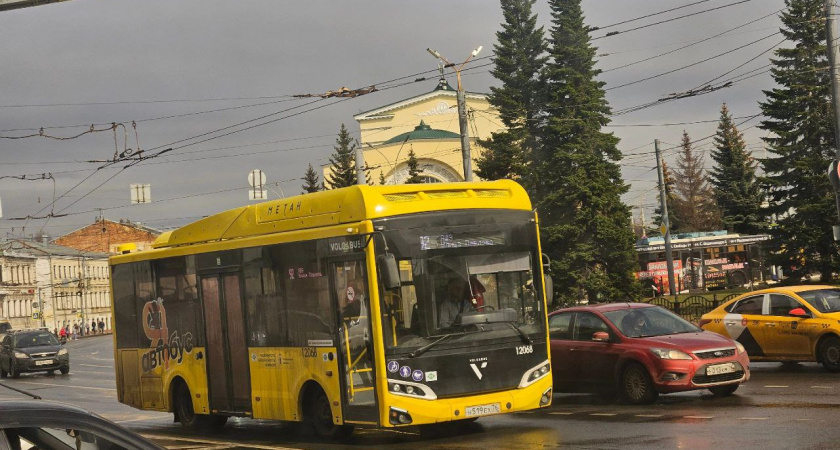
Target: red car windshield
x=647 y=322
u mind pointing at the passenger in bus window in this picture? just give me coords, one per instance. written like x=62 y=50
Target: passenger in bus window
x=454 y=304
x=352 y=309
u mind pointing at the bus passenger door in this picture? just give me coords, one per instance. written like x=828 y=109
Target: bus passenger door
x=350 y=295
x=228 y=376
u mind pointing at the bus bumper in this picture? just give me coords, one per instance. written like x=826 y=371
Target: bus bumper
x=404 y=411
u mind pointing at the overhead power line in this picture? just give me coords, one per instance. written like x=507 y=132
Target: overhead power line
x=613 y=33
x=648 y=15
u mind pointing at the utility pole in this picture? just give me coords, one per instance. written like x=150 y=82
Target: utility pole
x=360 y=166
x=462 y=111
x=666 y=226
x=831 y=47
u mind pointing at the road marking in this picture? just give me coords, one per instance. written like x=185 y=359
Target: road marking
x=649 y=415
x=68 y=385
x=803 y=420
x=776 y=387
x=698 y=417
x=561 y=413
x=95 y=365
x=821 y=387
x=603 y=414
x=752 y=418
x=208 y=441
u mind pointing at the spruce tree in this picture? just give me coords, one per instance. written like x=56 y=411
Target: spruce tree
x=579 y=186
x=311 y=183
x=694 y=207
x=413 y=170
x=381 y=178
x=801 y=145
x=736 y=188
x=519 y=58
x=343 y=161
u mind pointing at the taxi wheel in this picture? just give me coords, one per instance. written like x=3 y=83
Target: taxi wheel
x=724 y=391
x=830 y=354
x=635 y=385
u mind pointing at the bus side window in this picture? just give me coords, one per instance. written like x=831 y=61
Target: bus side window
x=309 y=311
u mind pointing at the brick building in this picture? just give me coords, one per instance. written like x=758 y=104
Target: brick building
x=105 y=236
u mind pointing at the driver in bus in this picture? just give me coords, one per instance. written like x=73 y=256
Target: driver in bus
x=455 y=303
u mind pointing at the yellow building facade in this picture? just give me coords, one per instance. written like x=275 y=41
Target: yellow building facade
x=428 y=125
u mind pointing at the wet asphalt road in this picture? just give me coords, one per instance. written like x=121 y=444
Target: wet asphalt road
x=781 y=407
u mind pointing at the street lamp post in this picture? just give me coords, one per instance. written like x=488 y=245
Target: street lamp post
x=462 y=110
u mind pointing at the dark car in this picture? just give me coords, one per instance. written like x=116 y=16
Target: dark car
x=41 y=424
x=640 y=351
x=32 y=351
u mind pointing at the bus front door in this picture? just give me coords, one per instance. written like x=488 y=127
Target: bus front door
x=228 y=377
x=352 y=302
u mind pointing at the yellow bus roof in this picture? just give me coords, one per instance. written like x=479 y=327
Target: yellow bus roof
x=346 y=205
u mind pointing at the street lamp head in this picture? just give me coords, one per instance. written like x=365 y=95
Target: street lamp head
x=476 y=51
x=434 y=53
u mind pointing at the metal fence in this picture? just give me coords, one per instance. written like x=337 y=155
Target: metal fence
x=690 y=308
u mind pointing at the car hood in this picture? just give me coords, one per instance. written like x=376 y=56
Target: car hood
x=40 y=349
x=701 y=340
x=831 y=315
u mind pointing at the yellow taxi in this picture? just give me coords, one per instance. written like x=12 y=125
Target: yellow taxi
x=790 y=323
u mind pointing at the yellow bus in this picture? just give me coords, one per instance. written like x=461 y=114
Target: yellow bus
x=384 y=306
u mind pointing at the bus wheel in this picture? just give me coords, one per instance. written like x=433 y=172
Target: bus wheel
x=318 y=415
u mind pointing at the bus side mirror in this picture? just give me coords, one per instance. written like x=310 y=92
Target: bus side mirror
x=387 y=264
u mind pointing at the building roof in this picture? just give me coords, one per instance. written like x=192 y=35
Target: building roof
x=122 y=222
x=441 y=90
x=422 y=131
x=35 y=248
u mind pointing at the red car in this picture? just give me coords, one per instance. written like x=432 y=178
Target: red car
x=640 y=351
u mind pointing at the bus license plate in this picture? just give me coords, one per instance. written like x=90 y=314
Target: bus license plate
x=719 y=369
x=483 y=410
x=43 y=362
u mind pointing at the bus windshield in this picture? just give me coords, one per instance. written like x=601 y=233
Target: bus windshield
x=475 y=284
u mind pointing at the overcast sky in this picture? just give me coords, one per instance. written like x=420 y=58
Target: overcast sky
x=182 y=69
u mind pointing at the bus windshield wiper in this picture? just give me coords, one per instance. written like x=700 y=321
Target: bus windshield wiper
x=426 y=347
x=521 y=333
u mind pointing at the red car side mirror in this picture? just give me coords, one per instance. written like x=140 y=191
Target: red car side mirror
x=799 y=312
x=601 y=336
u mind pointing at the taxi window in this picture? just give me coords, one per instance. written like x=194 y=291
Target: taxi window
x=749 y=305
x=586 y=325
x=558 y=326
x=780 y=305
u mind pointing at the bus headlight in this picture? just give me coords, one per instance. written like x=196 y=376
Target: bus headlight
x=409 y=389
x=535 y=373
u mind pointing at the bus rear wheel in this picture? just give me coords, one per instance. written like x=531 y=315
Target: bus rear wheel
x=318 y=416
x=187 y=416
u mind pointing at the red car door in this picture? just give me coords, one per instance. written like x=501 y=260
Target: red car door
x=594 y=361
x=560 y=333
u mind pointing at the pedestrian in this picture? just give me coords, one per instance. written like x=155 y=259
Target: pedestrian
x=93 y=325
x=87 y=329
x=101 y=326
x=75 y=331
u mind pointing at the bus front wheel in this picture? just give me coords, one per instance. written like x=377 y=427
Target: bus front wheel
x=318 y=416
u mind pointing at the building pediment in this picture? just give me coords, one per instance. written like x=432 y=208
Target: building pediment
x=440 y=102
